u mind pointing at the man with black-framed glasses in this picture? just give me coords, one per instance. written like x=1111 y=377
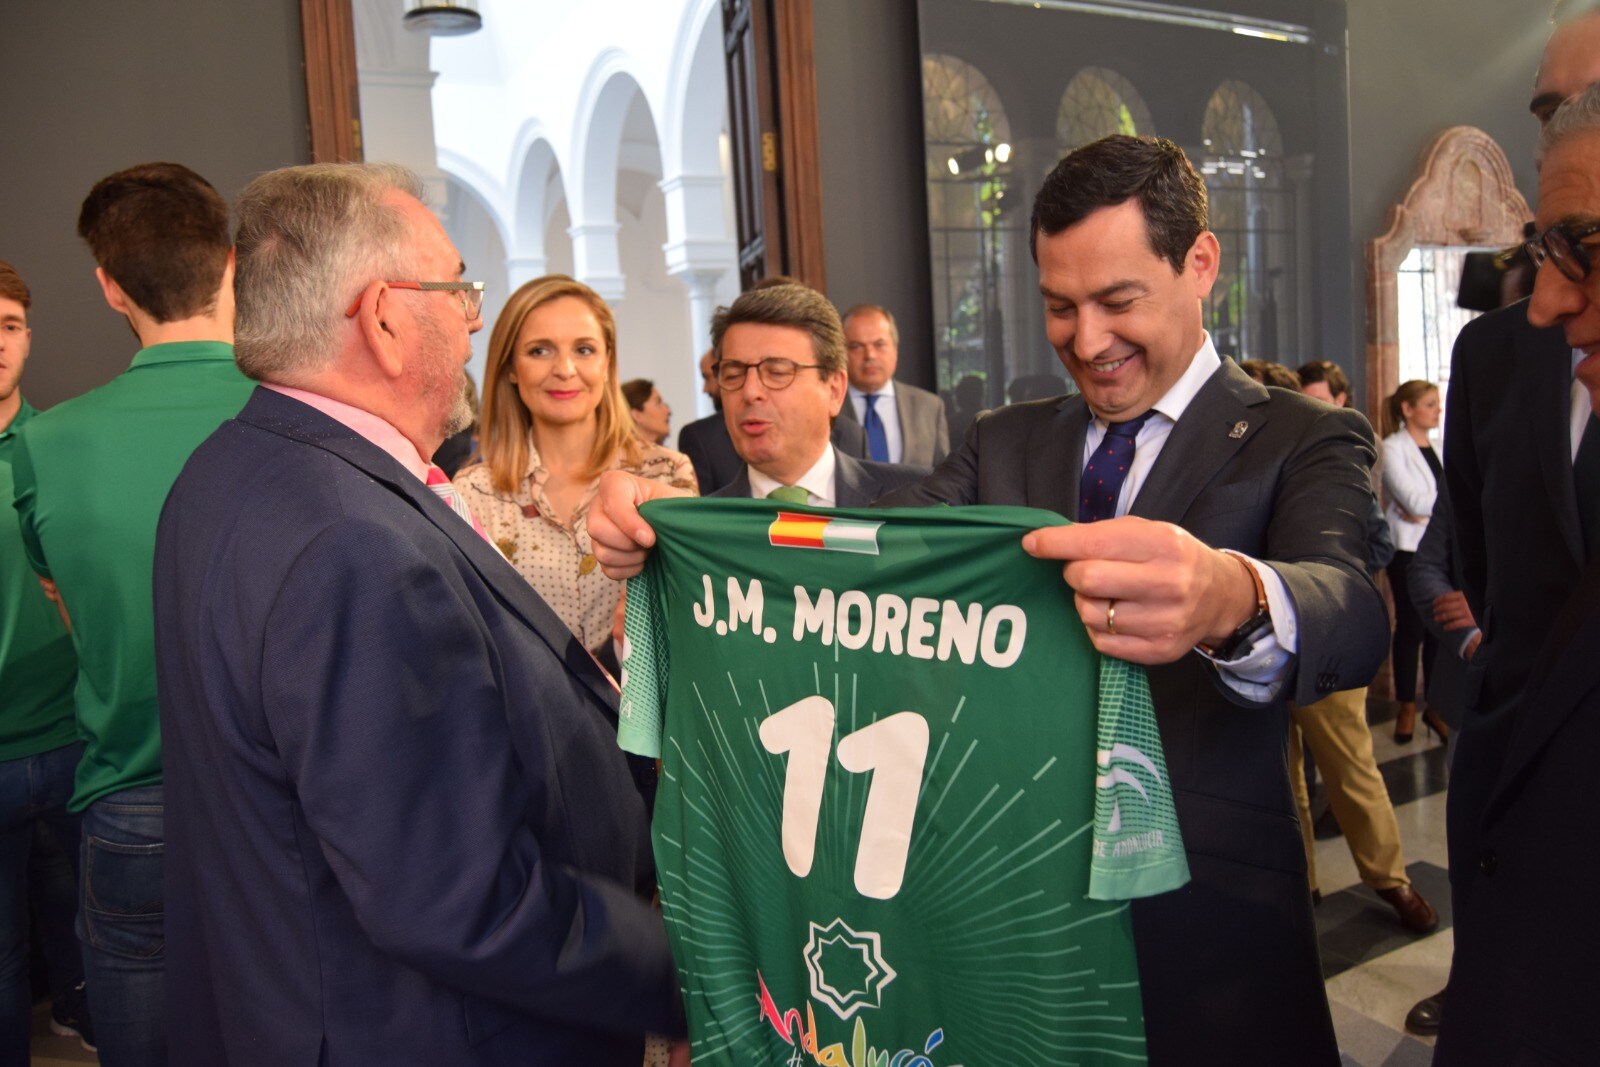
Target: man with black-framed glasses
x=779 y=362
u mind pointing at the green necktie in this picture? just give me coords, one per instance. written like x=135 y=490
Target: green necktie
x=790 y=494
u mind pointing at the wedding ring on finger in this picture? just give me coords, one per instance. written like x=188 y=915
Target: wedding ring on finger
x=1111 y=616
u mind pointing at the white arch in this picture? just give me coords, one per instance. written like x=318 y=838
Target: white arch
x=483 y=187
x=697 y=94
x=537 y=167
x=608 y=90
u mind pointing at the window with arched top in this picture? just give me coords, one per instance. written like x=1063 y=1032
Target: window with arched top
x=974 y=219
x=1252 y=213
x=1099 y=102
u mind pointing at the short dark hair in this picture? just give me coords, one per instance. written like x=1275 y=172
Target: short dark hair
x=1269 y=373
x=637 y=393
x=12 y=287
x=1114 y=170
x=161 y=232
x=1327 y=372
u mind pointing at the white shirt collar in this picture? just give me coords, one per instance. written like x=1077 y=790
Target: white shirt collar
x=818 y=481
x=887 y=390
x=1177 y=399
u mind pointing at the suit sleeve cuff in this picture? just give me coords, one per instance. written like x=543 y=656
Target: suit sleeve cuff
x=1259 y=674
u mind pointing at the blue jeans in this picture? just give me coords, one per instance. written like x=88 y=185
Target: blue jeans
x=120 y=925
x=34 y=791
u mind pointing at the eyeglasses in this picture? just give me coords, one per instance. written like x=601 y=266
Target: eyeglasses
x=775 y=372
x=469 y=293
x=1562 y=244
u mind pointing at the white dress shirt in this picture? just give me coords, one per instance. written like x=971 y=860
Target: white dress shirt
x=1582 y=406
x=1261 y=672
x=819 y=481
x=889 y=412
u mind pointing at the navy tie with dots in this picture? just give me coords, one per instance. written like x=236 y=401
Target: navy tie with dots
x=1107 y=470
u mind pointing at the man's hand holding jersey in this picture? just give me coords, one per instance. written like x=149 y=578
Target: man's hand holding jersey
x=622 y=539
x=1148 y=592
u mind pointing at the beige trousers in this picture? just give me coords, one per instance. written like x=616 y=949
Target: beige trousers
x=1335 y=729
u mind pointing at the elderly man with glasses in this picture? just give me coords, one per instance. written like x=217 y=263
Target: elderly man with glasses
x=400 y=828
x=1523 y=468
x=780 y=364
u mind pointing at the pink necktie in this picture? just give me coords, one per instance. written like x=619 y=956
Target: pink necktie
x=439 y=482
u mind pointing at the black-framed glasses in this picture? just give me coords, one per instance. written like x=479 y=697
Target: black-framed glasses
x=469 y=293
x=775 y=372
x=1562 y=244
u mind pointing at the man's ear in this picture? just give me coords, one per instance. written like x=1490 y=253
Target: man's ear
x=1203 y=262
x=838 y=385
x=113 y=292
x=383 y=341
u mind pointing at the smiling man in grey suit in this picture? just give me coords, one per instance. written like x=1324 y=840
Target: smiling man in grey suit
x=903 y=424
x=780 y=364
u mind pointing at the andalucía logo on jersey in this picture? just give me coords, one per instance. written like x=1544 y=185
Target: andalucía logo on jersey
x=848 y=973
x=792 y=529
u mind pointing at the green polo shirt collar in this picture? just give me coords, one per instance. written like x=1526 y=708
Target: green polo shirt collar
x=183 y=352
x=26 y=412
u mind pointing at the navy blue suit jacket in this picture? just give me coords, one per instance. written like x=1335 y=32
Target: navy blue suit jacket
x=399 y=829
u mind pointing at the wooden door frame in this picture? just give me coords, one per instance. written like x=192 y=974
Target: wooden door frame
x=801 y=139
x=332 y=92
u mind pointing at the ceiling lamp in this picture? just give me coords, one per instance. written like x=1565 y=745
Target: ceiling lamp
x=443 y=18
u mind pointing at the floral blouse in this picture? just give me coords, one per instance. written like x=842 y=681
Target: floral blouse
x=557 y=559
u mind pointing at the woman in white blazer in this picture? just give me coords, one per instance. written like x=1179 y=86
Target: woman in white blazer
x=1411 y=473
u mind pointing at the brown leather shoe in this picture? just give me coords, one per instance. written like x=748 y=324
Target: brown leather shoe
x=1415 y=913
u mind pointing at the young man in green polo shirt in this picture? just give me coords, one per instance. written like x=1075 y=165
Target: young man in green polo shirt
x=91 y=475
x=39 y=746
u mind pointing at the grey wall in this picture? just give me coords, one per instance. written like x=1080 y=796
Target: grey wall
x=98 y=85
x=874 y=196
x=1417 y=68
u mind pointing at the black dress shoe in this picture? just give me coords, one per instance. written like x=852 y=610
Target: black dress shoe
x=1426 y=1014
x=1415 y=913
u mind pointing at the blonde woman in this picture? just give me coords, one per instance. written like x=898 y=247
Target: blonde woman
x=1411 y=472
x=553 y=421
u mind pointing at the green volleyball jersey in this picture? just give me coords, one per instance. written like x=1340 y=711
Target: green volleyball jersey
x=904 y=801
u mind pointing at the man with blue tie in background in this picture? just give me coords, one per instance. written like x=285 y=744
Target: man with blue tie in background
x=904 y=424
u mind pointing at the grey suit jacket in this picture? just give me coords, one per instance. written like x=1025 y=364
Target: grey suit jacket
x=857 y=482
x=924 y=427
x=1283 y=479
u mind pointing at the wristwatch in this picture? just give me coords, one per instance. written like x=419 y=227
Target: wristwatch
x=1242 y=640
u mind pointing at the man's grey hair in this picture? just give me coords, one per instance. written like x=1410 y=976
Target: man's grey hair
x=308 y=240
x=1577 y=116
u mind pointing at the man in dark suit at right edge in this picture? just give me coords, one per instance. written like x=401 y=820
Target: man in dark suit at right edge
x=1525 y=369
x=1524 y=482
x=1228 y=964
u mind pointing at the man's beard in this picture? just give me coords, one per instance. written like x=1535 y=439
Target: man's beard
x=460 y=416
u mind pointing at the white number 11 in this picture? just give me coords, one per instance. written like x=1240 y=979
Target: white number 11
x=894 y=749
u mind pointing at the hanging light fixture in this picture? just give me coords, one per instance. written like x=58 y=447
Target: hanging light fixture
x=443 y=18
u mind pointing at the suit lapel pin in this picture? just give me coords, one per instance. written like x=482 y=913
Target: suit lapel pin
x=1238 y=430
